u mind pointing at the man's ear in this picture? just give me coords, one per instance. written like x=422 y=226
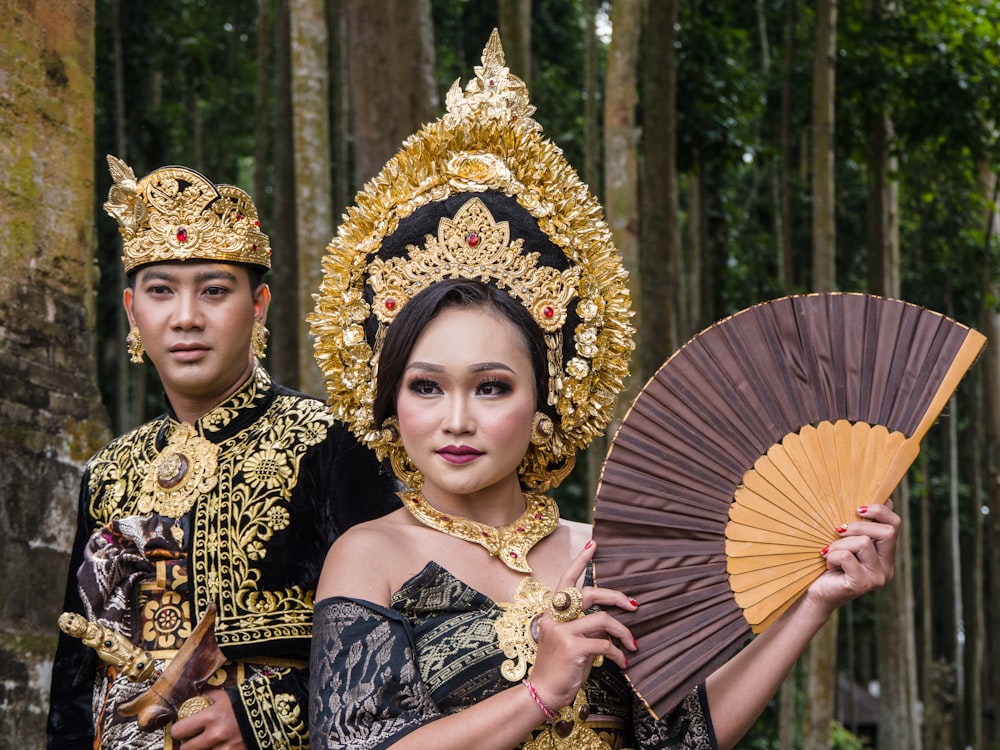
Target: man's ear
x=261 y=303
x=127 y=297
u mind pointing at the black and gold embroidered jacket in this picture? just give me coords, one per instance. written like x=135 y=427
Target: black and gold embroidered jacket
x=290 y=480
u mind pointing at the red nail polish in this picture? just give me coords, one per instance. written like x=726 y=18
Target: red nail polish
x=635 y=643
x=842 y=529
x=825 y=550
x=633 y=602
x=626 y=662
x=588 y=545
x=862 y=510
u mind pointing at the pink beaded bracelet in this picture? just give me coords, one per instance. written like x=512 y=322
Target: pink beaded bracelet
x=538 y=699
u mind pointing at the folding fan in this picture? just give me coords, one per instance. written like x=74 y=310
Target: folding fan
x=743 y=453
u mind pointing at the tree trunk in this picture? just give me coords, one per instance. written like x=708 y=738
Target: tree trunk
x=591 y=102
x=824 y=197
x=262 y=105
x=391 y=59
x=786 y=246
x=821 y=654
x=515 y=32
x=311 y=134
x=660 y=226
x=51 y=417
x=283 y=316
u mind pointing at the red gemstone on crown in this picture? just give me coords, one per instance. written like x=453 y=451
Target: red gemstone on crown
x=513 y=554
x=472 y=239
x=182 y=234
x=239 y=216
x=390 y=304
x=548 y=311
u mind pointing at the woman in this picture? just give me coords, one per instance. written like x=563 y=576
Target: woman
x=473 y=328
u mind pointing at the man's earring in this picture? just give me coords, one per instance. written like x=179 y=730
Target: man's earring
x=134 y=343
x=542 y=429
x=258 y=340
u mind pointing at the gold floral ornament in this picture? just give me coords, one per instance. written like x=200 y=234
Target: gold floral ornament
x=185 y=469
x=488 y=150
x=176 y=214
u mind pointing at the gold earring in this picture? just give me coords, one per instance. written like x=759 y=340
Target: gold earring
x=542 y=428
x=390 y=431
x=258 y=339
x=134 y=343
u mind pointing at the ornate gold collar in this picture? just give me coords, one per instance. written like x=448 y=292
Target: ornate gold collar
x=510 y=543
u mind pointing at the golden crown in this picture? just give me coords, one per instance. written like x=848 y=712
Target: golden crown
x=176 y=214
x=486 y=143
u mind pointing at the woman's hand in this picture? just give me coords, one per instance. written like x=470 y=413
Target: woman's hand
x=861 y=560
x=566 y=650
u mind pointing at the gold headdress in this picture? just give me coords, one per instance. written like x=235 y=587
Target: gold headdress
x=174 y=214
x=480 y=194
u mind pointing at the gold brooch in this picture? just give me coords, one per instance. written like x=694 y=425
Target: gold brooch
x=185 y=469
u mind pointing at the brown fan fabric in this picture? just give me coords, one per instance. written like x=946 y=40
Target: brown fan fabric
x=702 y=422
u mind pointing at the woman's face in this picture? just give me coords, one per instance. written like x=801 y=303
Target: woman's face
x=465 y=404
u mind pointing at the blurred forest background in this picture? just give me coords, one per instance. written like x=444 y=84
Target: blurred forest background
x=743 y=151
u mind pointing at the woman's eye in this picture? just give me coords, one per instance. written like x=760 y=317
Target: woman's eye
x=494 y=388
x=423 y=387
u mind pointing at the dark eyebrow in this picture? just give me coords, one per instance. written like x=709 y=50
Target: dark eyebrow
x=161 y=274
x=480 y=367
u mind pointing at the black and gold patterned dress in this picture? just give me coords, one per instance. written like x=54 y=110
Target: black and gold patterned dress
x=289 y=479
x=378 y=673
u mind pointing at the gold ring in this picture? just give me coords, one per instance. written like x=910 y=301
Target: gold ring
x=192 y=706
x=566 y=604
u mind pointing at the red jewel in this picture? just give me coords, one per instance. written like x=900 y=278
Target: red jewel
x=239 y=216
x=548 y=311
x=255 y=246
x=256 y=223
x=513 y=554
x=486 y=534
x=446 y=519
x=520 y=528
x=538 y=516
x=390 y=304
x=473 y=239
x=182 y=234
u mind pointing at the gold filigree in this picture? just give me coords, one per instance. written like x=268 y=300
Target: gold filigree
x=486 y=141
x=472 y=245
x=569 y=729
x=510 y=543
x=513 y=627
x=174 y=213
x=184 y=471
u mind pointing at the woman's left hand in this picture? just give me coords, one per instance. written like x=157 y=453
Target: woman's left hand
x=861 y=560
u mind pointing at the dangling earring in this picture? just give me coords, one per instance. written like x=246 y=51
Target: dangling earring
x=258 y=340
x=542 y=428
x=134 y=343
x=390 y=431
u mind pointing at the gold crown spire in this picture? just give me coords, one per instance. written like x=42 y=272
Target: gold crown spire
x=176 y=214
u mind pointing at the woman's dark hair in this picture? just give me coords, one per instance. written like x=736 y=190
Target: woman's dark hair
x=402 y=335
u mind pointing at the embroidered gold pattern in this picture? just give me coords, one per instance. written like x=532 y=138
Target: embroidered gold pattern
x=230 y=538
x=184 y=471
x=510 y=543
x=289 y=731
x=487 y=141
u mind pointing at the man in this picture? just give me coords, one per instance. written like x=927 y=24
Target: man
x=224 y=506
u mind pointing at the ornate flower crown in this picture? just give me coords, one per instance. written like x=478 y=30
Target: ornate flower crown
x=174 y=214
x=431 y=214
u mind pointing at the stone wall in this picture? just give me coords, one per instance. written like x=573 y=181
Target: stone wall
x=51 y=419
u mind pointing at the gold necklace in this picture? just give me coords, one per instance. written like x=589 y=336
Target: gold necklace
x=185 y=469
x=510 y=543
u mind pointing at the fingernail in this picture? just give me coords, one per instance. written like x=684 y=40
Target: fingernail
x=825 y=550
x=842 y=529
x=588 y=545
x=633 y=602
x=626 y=661
x=862 y=510
x=635 y=643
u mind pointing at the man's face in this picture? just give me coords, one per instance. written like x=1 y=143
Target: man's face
x=195 y=320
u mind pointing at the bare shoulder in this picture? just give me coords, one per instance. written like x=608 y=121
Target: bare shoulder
x=360 y=564
x=579 y=533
